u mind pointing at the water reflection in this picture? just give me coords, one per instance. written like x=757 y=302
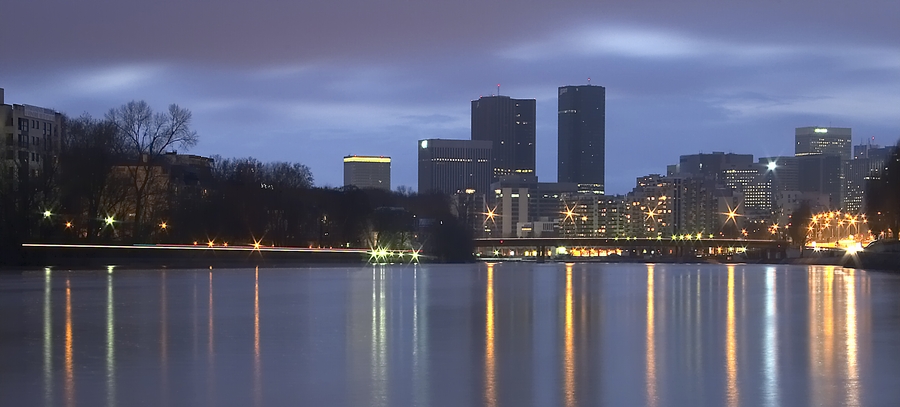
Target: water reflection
x=795 y=337
x=379 y=344
x=48 y=339
x=731 y=344
x=163 y=339
x=110 y=343
x=420 y=340
x=652 y=396
x=210 y=358
x=257 y=364
x=770 y=340
x=69 y=364
x=569 y=368
x=852 y=347
x=490 y=390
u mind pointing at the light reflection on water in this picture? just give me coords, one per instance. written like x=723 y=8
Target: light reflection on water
x=493 y=335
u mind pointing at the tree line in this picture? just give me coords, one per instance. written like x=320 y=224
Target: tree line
x=117 y=180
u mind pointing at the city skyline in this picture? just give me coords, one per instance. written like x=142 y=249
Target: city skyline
x=300 y=84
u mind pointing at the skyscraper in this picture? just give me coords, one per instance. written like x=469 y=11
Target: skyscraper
x=823 y=140
x=449 y=166
x=367 y=171
x=509 y=125
x=582 y=136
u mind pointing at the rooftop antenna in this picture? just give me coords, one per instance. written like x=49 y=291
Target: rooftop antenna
x=498 y=89
x=589 y=81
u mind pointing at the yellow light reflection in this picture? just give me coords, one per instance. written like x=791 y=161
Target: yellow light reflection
x=652 y=396
x=69 y=365
x=731 y=344
x=852 y=343
x=257 y=365
x=490 y=389
x=828 y=318
x=569 y=376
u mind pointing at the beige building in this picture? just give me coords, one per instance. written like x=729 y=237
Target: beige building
x=367 y=171
x=30 y=138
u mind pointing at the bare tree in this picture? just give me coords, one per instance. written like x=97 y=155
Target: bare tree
x=145 y=137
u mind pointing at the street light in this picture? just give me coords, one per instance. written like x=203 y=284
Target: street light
x=47 y=214
x=110 y=220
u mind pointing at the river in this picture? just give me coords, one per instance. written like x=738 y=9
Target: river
x=507 y=334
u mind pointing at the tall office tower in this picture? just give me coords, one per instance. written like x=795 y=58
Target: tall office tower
x=867 y=164
x=782 y=171
x=509 y=125
x=712 y=165
x=821 y=174
x=365 y=171
x=449 y=166
x=823 y=140
x=582 y=136
x=30 y=139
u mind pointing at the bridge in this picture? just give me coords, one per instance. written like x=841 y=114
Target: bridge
x=676 y=246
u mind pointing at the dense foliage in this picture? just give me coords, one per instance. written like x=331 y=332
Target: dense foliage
x=116 y=180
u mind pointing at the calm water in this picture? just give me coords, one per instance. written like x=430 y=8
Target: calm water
x=501 y=335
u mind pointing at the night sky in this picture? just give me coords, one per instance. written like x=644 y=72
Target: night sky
x=312 y=81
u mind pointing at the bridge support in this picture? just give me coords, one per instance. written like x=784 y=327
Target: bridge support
x=541 y=254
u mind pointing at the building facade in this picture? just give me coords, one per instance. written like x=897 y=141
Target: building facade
x=823 y=140
x=367 y=172
x=582 y=136
x=867 y=164
x=509 y=125
x=448 y=166
x=30 y=139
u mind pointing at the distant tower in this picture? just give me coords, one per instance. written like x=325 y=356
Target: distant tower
x=582 y=136
x=509 y=125
x=451 y=166
x=823 y=140
x=367 y=171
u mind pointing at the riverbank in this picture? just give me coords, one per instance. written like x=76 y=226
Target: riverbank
x=92 y=257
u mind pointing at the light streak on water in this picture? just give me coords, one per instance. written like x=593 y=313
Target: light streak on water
x=490 y=370
x=770 y=341
x=733 y=393
x=652 y=396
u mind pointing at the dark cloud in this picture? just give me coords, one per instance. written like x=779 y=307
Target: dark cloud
x=314 y=81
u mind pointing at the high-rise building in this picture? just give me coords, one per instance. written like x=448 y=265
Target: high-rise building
x=712 y=165
x=30 y=138
x=821 y=174
x=867 y=164
x=509 y=125
x=449 y=166
x=582 y=136
x=782 y=171
x=365 y=171
x=612 y=219
x=823 y=140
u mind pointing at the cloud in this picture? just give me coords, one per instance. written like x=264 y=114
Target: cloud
x=116 y=79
